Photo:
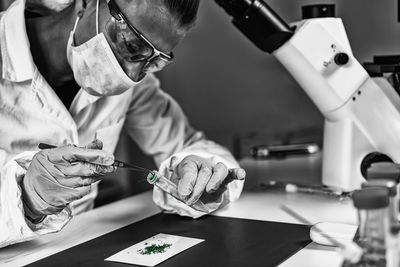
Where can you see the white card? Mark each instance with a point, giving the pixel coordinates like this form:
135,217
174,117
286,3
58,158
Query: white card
154,250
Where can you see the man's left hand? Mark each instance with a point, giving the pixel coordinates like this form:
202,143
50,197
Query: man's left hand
196,176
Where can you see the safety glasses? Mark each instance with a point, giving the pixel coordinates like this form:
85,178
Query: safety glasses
134,46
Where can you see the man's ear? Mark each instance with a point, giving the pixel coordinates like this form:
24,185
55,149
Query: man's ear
81,6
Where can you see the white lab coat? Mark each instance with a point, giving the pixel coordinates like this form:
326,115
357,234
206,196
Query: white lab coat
31,112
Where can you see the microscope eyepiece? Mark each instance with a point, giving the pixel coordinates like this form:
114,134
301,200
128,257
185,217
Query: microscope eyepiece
235,8
258,22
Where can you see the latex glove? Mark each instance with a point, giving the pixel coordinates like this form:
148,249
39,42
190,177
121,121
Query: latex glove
197,178
61,175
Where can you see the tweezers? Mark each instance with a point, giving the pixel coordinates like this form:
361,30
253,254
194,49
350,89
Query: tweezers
117,163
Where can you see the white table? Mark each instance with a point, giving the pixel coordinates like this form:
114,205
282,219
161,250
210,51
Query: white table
256,205
252,205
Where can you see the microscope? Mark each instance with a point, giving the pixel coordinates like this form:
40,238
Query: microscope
362,114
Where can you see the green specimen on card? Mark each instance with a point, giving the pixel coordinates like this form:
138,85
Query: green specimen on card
154,249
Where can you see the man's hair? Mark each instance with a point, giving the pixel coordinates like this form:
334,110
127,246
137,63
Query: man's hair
184,10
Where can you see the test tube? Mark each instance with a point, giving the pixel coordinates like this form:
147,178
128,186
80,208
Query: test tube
155,178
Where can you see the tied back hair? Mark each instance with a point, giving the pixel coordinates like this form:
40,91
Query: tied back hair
184,10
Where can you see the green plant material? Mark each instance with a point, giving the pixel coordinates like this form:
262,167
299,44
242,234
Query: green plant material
154,249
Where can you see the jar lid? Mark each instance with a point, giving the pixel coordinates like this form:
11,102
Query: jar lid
371,198
382,183
384,170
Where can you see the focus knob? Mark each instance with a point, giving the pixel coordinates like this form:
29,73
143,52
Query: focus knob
341,59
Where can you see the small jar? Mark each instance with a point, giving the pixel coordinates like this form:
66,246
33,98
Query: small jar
393,197
374,224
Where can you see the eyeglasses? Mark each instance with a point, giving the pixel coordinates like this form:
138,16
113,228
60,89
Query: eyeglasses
134,46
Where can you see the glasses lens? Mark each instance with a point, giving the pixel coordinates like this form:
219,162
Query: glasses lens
127,43
155,64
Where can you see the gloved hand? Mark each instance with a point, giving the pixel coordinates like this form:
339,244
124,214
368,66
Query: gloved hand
197,178
61,175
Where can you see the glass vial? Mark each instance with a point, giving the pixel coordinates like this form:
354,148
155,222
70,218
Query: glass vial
155,178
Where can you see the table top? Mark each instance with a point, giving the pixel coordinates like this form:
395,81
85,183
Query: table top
253,204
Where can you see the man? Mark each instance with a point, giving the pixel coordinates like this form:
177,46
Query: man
83,73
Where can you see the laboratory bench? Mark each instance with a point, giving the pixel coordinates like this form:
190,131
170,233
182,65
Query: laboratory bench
254,204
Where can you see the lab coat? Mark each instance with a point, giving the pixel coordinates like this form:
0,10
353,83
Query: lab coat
31,112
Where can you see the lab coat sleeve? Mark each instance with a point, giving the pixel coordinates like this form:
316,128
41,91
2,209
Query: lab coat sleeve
14,227
158,125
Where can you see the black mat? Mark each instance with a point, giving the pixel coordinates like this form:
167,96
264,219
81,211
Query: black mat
228,242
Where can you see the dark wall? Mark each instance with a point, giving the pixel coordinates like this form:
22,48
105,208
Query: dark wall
226,85
4,4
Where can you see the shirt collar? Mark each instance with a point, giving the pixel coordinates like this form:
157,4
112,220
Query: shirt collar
17,61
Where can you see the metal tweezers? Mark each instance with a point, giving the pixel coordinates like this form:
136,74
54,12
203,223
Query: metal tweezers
117,163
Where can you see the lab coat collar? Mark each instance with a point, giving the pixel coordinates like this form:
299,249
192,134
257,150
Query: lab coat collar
82,100
17,61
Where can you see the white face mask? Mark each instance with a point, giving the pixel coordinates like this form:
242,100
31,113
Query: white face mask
95,67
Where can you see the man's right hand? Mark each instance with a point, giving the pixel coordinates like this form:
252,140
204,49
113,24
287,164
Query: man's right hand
58,176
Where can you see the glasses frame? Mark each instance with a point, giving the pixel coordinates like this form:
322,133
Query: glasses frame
119,16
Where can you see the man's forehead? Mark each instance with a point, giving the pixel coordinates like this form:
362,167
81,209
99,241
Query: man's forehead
154,20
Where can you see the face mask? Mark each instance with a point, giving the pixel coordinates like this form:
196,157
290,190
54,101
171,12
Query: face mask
95,67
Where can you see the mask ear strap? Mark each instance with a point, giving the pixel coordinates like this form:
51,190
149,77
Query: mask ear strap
76,24
97,16
80,14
